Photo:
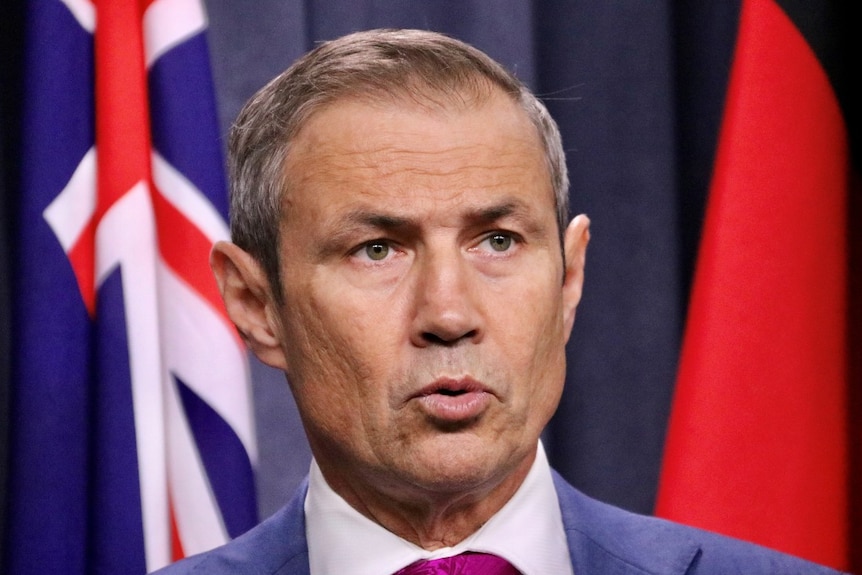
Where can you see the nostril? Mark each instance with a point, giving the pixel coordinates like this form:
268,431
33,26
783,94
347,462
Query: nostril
437,339
432,338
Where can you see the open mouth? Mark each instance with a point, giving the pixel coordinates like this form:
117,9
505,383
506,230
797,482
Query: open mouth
451,392
453,387
454,401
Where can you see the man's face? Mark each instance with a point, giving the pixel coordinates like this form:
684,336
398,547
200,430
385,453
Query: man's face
423,329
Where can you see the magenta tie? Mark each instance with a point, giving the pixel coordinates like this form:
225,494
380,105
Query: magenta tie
464,564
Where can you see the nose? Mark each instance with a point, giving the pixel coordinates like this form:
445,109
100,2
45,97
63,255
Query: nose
446,306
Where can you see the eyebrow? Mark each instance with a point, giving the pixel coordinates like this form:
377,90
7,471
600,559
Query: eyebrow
491,214
362,219
368,219
478,216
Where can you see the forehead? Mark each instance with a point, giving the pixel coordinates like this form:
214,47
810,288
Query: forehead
405,149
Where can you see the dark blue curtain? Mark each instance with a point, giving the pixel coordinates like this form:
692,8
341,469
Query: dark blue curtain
11,18
637,88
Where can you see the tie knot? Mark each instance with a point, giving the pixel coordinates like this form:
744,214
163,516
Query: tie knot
463,564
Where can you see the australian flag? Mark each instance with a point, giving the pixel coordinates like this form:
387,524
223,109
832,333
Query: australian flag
131,435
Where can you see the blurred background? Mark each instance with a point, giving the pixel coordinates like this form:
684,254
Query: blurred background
638,89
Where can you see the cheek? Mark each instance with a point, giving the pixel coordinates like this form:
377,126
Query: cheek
536,341
532,320
318,359
334,361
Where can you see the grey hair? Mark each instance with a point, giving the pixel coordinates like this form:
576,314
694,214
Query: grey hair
419,65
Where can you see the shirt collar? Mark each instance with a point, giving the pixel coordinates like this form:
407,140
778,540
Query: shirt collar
342,540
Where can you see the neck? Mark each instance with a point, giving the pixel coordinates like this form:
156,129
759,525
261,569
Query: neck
431,518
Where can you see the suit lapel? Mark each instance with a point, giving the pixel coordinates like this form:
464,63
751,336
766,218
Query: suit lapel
296,565
282,543
609,541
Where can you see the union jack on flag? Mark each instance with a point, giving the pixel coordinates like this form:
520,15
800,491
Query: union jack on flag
132,437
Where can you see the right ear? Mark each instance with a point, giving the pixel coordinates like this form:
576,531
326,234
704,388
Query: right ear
248,301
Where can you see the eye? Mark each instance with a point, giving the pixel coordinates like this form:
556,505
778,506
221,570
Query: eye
376,250
499,242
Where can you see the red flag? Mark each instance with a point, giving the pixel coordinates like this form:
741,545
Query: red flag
757,446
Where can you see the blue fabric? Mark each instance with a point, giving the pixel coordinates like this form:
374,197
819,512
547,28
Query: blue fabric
52,347
603,540
74,499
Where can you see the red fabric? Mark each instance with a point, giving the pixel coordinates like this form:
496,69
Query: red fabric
182,246
757,443
122,110
122,124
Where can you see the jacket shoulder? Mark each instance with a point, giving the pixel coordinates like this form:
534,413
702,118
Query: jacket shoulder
618,541
277,546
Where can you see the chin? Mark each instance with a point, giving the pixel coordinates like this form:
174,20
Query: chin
463,465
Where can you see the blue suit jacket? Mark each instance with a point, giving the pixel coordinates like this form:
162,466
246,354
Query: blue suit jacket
603,540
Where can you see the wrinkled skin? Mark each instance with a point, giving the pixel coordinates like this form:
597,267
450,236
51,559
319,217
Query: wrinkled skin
426,306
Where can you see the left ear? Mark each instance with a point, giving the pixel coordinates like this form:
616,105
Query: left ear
575,245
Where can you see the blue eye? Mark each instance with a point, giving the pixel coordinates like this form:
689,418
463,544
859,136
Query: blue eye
500,242
377,251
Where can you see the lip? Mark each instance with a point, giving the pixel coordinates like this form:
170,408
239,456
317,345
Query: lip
454,400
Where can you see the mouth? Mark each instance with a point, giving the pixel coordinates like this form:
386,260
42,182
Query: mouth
454,400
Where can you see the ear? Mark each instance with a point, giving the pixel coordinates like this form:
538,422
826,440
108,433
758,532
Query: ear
248,300
575,245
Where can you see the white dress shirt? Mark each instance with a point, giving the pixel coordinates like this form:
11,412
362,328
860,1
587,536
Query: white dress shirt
528,532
